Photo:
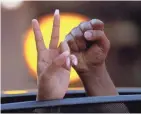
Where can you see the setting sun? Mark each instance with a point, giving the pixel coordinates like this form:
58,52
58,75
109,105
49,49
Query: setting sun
68,22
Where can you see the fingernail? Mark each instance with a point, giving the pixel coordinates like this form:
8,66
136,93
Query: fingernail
93,21
75,62
34,20
68,62
88,35
56,12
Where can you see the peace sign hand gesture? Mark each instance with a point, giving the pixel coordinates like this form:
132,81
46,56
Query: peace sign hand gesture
53,64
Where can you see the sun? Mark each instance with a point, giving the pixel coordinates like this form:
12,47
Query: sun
67,23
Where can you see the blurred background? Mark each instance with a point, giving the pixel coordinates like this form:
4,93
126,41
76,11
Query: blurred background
18,52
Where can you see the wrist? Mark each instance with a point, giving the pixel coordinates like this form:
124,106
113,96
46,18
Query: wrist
47,92
93,72
97,81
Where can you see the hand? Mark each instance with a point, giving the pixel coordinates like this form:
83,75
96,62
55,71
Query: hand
53,64
90,45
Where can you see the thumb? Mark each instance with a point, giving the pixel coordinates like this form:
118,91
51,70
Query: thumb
98,35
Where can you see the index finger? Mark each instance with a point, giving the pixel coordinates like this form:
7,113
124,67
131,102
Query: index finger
38,36
55,30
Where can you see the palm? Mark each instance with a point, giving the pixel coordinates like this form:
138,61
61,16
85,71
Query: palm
58,78
46,58
52,67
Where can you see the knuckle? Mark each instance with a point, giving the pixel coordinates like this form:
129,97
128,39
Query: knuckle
73,31
81,25
55,37
39,39
36,29
93,21
76,32
86,26
56,25
99,21
98,24
69,37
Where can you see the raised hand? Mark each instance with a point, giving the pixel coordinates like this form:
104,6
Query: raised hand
53,64
90,45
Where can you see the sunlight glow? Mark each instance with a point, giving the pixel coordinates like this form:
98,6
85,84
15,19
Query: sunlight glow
68,22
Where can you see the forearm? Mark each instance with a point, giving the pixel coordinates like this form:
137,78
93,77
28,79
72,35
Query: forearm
97,82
